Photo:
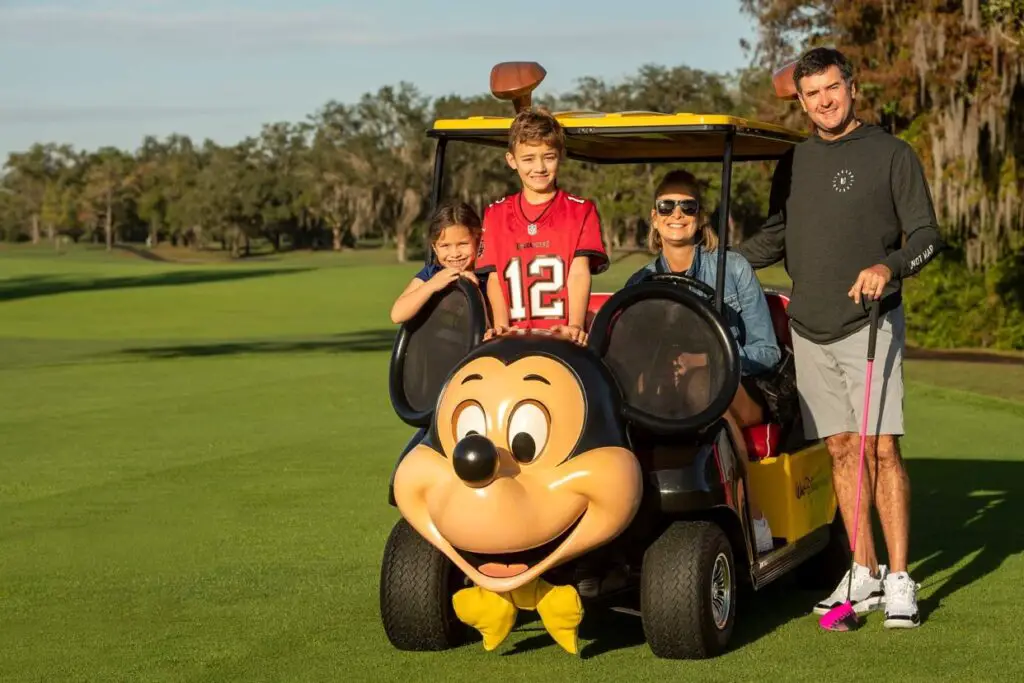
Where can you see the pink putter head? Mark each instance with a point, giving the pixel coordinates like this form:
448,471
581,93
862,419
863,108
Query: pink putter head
840,618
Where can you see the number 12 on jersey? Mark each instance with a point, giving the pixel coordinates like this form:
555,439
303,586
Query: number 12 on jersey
547,276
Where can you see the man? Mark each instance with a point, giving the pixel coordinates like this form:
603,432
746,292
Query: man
840,203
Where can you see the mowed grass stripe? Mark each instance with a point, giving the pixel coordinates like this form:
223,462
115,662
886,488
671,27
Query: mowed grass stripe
129,418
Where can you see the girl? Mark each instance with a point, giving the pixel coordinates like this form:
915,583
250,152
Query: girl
686,244
454,238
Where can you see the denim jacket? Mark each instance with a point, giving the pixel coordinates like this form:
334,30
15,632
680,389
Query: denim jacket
746,308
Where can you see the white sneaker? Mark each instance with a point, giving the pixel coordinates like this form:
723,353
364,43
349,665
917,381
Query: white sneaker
763,536
866,594
901,601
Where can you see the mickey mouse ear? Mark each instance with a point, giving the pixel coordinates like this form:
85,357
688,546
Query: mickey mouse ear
671,353
429,346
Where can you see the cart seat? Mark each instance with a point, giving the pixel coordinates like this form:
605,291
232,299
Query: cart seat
597,300
763,440
778,303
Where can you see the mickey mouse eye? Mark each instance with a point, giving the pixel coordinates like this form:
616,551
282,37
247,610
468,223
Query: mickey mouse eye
469,419
527,431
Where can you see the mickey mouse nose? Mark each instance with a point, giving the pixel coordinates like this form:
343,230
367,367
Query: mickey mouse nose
475,459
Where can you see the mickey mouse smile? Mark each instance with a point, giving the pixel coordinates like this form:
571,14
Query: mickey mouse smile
513,563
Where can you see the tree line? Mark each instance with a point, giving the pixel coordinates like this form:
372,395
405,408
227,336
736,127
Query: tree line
348,173
946,76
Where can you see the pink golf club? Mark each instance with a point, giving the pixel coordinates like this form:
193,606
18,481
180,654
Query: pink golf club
843,617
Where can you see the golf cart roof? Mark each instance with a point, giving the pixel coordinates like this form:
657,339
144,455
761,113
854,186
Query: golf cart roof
632,137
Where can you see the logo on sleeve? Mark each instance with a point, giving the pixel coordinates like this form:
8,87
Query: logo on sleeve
842,181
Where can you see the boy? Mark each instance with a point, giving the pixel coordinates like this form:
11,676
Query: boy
542,243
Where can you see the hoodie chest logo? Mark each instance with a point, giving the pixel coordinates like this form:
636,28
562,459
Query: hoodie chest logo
842,181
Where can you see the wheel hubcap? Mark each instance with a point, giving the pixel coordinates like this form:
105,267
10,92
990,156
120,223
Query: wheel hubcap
721,591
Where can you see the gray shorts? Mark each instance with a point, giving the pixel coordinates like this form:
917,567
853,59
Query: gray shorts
830,380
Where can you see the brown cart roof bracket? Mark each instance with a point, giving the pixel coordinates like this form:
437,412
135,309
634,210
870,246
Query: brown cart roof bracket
782,81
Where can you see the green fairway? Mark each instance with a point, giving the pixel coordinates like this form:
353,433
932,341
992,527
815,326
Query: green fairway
194,463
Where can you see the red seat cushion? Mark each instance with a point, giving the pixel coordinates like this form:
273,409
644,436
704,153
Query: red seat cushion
762,441
777,305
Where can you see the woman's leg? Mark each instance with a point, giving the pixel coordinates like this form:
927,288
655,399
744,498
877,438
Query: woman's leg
745,409
745,412
738,417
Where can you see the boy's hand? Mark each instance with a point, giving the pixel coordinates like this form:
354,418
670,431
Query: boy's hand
443,278
573,333
471,276
496,331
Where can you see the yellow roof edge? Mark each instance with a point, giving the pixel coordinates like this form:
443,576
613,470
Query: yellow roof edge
589,120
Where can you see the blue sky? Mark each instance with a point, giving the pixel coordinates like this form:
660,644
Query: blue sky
96,72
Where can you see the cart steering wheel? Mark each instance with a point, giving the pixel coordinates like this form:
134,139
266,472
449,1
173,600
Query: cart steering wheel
684,280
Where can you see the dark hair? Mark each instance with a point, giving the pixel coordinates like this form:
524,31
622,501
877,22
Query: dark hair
680,179
819,59
453,213
536,126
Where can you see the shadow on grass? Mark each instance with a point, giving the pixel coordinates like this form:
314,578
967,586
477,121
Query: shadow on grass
349,342
144,254
961,510
31,286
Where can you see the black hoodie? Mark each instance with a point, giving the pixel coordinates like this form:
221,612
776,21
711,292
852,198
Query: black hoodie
838,207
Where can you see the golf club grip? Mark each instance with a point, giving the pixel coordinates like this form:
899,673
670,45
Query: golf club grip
873,329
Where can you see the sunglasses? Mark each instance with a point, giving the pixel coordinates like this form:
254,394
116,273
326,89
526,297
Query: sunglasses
666,207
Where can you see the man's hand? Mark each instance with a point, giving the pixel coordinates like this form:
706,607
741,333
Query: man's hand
573,333
870,282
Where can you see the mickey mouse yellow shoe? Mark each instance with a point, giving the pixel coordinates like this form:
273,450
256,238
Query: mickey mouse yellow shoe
494,614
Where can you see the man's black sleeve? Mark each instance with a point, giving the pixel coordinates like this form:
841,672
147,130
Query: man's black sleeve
768,246
916,213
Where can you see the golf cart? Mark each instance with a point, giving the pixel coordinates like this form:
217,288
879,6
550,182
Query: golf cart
541,463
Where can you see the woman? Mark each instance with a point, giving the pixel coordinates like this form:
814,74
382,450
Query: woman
686,244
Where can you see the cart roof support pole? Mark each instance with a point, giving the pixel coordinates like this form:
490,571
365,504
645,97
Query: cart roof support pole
723,223
436,186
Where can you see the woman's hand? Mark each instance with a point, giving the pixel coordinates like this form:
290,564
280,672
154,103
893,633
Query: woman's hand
688,361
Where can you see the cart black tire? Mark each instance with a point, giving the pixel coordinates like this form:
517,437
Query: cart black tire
678,574
824,570
417,582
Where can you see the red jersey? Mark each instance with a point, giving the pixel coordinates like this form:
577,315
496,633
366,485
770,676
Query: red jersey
530,248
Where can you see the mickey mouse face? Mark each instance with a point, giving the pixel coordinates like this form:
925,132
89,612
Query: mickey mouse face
509,494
